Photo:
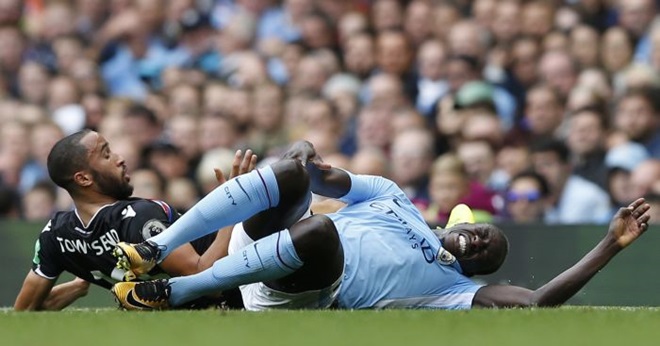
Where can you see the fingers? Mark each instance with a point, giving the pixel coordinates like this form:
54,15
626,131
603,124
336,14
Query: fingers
236,164
246,162
637,203
640,210
219,176
322,165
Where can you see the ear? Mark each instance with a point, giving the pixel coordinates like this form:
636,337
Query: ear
83,179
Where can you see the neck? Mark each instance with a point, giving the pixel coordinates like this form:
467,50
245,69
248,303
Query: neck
87,206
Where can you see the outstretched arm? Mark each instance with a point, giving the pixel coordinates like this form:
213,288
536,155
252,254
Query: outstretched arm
38,293
65,294
34,292
626,226
325,180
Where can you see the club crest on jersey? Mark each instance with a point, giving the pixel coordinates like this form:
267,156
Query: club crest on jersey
151,228
445,257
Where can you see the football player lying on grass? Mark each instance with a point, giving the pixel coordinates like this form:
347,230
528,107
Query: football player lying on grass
377,252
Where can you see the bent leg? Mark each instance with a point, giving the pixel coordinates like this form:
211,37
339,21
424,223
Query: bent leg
241,198
295,197
273,259
317,243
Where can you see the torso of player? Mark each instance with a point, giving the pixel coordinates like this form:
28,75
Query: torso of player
391,259
67,244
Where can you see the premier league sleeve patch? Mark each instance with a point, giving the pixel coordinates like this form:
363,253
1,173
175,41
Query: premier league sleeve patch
445,257
151,228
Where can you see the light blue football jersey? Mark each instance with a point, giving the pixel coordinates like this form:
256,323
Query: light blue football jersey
391,254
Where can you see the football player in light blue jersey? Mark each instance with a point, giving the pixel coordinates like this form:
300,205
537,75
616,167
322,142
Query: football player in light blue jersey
377,252
392,258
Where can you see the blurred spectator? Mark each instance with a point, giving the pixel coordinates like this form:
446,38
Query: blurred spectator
220,158
537,18
268,131
411,158
386,15
559,70
585,46
478,157
544,112
526,198
370,161
621,161
586,134
167,159
636,116
644,176
616,50
181,194
572,199
359,54
283,22
512,159
431,82
147,183
174,80
417,21
33,81
9,202
449,186
42,138
38,204
141,125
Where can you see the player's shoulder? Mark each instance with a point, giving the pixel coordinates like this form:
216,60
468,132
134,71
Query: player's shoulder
153,207
60,220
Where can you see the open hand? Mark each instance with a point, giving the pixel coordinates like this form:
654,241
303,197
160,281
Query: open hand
242,164
630,222
305,152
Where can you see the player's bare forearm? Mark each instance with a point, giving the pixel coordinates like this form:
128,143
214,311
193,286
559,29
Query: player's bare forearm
333,182
555,292
34,292
568,283
184,260
217,250
627,225
65,294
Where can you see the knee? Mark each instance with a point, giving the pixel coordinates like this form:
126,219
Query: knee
291,176
315,237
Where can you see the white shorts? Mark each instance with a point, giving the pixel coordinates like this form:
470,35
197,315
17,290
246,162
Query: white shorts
257,296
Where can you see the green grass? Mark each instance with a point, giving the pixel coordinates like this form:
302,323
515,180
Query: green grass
558,327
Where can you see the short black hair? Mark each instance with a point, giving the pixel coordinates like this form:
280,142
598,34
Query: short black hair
9,200
646,93
544,188
551,145
66,158
47,187
140,111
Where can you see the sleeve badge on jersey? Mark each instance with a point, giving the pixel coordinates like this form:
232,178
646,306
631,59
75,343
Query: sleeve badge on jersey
445,257
166,209
151,228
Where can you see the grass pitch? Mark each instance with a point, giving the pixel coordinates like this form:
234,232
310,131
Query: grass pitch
565,326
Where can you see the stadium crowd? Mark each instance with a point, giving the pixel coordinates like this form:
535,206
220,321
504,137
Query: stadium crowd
525,110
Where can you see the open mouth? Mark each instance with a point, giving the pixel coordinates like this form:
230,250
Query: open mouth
462,244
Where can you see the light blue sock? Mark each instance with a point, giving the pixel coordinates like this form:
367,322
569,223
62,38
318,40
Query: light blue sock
267,259
232,202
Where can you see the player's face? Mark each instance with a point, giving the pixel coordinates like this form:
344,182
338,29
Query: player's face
108,170
479,248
